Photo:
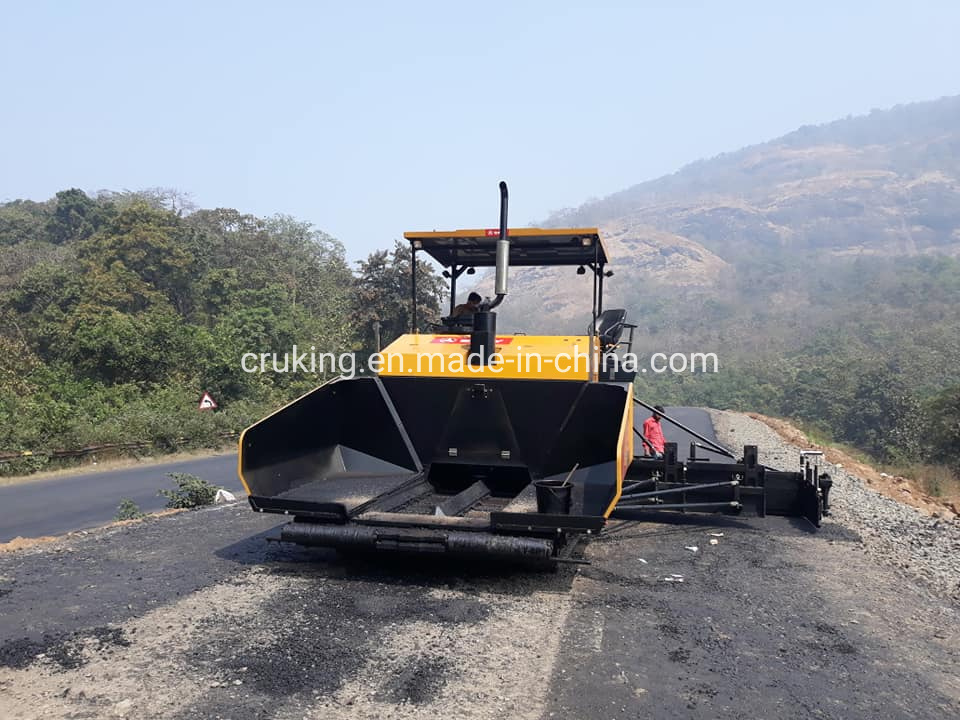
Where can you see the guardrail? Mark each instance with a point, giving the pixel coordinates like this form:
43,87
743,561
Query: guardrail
89,450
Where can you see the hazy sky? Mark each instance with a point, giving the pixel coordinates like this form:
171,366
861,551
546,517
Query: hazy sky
368,119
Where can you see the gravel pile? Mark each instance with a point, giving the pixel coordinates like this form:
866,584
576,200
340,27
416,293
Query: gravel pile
923,545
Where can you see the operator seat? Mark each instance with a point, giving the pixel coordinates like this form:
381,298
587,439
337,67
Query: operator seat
609,328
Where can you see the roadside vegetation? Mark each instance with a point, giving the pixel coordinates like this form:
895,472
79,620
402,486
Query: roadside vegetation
869,406
128,510
118,311
191,492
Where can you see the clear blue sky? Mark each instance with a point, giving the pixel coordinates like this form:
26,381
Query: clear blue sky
368,119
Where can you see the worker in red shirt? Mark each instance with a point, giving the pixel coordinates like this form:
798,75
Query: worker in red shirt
653,433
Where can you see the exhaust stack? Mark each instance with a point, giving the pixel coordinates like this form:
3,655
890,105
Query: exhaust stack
503,250
483,339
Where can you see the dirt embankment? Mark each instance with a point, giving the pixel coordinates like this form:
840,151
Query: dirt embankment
899,488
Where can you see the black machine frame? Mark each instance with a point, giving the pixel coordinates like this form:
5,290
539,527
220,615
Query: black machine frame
463,251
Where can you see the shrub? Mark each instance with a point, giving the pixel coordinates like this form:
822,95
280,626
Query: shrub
128,510
191,491
26,465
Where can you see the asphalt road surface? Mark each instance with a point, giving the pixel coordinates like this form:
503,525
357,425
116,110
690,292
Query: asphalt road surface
58,505
696,419
76,502
195,615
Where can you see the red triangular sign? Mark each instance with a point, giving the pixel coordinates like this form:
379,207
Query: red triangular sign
207,402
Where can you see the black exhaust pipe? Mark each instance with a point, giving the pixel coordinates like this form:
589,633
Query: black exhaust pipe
503,251
483,338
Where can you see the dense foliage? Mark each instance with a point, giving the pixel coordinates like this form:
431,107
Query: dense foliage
866,354
118,311
384,290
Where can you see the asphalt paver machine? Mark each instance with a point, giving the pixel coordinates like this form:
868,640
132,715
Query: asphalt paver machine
474,443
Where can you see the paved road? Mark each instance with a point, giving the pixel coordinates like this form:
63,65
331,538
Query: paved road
196,616
75,502
85,500
697,419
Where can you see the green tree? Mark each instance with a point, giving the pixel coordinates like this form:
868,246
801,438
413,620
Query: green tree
884,419
383,293
40,303
75,217
944,414
111,346
148,244
23,221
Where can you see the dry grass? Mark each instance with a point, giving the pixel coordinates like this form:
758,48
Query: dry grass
21,543
936,480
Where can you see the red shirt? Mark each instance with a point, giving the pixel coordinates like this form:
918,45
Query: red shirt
654,433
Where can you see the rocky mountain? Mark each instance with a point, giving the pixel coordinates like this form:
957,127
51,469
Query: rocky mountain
882,186
886,183
637,251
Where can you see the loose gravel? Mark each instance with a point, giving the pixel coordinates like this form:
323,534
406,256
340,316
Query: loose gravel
925,546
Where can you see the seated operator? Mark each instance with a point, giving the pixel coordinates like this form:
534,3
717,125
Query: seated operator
468,308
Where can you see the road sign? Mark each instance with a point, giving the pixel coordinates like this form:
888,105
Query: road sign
207,402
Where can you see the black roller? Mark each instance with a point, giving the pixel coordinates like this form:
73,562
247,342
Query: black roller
413,540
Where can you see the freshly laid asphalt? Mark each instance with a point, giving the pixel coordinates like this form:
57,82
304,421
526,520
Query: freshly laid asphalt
195,615
696,419
89,499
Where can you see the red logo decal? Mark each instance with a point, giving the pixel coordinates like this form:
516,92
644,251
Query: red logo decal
465,340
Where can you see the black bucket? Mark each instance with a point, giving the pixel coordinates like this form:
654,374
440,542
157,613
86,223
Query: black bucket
553,496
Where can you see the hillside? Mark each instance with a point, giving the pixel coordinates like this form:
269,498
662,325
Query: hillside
883,184
886,185
820,266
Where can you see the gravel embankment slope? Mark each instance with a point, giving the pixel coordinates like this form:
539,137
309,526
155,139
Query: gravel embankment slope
892,532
